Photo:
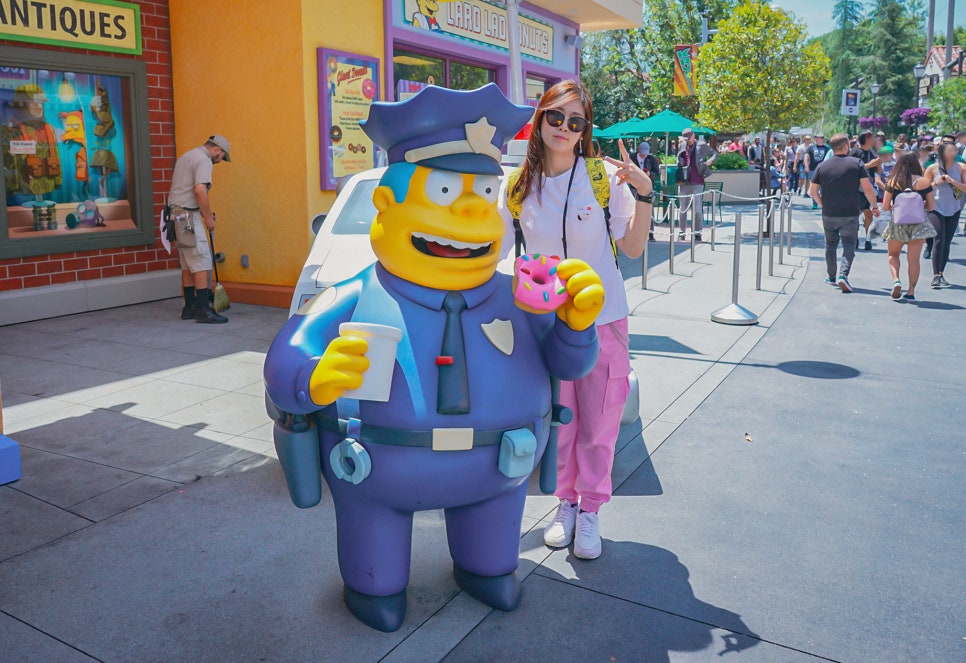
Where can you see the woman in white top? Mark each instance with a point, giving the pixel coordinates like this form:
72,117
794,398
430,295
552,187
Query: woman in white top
560,215
948,178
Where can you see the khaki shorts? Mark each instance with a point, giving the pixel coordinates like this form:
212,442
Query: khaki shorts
196,258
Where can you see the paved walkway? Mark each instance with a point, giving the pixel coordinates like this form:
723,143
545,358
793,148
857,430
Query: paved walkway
792,490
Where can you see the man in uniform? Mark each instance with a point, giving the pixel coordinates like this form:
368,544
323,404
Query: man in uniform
188,199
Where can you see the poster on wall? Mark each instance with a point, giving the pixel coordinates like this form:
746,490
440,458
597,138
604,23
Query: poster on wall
684,78
348,84
65,145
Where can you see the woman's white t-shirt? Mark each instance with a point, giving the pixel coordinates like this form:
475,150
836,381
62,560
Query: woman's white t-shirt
541,220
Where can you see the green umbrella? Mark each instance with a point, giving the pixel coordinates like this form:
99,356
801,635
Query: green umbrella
623,129
669,123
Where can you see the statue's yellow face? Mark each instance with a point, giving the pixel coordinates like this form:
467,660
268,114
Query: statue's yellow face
428,7
446,234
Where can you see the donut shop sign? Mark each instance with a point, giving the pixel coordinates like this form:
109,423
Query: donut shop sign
482,22
99,25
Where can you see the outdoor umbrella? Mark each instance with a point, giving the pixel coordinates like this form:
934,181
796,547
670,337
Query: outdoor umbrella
669,123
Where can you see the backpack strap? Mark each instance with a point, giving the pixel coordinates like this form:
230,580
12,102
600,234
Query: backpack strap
514,205
601,186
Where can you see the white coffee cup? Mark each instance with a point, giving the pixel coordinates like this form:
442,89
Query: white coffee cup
383,340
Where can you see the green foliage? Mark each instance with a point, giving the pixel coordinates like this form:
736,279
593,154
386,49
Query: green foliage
759,72
882,47
947,106
629,72
730,161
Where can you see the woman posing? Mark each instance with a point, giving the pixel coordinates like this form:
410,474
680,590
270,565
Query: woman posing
948,178
907,174
559,215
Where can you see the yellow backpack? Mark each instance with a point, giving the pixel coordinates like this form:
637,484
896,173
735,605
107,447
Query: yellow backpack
598,182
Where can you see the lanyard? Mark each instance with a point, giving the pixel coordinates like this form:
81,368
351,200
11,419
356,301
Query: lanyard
570,183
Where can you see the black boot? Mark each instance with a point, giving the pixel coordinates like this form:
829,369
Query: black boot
500,592
203,311
383,613
188,312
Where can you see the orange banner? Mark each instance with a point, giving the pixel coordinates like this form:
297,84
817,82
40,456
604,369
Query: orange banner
684,79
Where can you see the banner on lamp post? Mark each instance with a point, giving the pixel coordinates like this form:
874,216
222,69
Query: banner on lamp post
850,102
684,78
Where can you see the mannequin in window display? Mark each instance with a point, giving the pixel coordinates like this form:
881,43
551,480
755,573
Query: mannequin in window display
38,171
103,159
74,140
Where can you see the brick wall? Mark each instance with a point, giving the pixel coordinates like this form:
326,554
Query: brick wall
36,271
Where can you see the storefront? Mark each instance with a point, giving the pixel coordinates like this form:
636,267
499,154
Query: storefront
99,97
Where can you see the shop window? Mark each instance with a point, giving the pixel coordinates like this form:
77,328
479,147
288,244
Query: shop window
535,87
76,153
414,71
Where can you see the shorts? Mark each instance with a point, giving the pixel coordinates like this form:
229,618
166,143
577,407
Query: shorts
196,258
863,203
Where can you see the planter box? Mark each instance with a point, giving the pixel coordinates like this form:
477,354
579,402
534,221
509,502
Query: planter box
742,183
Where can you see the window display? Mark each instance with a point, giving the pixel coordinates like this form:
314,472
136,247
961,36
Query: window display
68,145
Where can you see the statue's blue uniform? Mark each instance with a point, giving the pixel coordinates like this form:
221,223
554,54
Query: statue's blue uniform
483,507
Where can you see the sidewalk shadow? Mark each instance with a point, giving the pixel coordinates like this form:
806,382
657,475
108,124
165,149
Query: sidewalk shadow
938,306
663,614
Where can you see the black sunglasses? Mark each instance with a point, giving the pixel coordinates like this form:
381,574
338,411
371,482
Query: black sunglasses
575,123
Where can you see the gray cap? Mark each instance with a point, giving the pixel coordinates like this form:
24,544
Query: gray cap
223,143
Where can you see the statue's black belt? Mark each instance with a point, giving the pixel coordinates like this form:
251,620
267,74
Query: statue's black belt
375,434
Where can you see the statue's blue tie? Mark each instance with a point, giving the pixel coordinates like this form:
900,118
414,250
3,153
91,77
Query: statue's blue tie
453,389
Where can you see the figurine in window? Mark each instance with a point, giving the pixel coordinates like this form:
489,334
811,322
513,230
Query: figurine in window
103,160
36,159
75,141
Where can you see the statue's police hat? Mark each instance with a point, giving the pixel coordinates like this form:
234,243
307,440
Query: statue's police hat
456,130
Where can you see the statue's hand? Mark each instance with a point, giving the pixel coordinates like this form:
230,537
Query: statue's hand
586,294
340,369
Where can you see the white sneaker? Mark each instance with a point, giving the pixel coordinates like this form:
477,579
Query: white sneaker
587,541
560,532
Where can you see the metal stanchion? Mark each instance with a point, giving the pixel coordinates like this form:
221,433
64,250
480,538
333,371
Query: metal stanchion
761,237
771,236
670,237
644,254
788,248
694,223
781,227
714,209
734,313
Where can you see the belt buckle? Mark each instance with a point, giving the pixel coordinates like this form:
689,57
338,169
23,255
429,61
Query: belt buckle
452,439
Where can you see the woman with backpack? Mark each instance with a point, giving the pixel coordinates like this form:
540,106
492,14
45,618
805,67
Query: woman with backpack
909,196
557,205
948,178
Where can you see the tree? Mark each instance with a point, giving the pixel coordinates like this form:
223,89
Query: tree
630,72
947,106
760,72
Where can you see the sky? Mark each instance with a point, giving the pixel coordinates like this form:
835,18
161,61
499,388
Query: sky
817,14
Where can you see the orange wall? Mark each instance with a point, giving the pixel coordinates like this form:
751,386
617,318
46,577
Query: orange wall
248,70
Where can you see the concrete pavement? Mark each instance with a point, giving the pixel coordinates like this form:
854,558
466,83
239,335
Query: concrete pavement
792,490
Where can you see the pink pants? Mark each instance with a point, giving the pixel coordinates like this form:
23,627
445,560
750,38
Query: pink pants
586,445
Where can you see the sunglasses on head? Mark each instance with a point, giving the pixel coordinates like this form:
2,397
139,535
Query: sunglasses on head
575,123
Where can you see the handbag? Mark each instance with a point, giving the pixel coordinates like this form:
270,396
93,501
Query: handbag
908,209
682,174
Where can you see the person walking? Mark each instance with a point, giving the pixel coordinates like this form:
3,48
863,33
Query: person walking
559,215
907,176
694,165
834,183
803,179
948,178
646,161
188,199
814,155
867,154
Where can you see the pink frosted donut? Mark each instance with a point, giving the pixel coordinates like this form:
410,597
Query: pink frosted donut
536,286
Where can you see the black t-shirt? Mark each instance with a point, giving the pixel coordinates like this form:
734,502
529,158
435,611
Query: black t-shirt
865,156
816,155
840,177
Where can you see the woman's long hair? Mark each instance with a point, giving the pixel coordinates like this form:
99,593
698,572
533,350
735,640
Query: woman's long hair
533,168
907,171
941,155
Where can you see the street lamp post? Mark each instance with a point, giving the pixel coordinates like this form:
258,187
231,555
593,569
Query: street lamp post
874,89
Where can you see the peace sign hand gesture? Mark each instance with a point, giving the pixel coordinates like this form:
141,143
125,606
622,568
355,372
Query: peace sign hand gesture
629,173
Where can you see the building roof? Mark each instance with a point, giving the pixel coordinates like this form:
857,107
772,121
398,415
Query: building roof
936,59
597,14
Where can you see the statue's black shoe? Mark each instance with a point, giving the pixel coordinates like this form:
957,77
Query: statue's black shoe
500,592
383,613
